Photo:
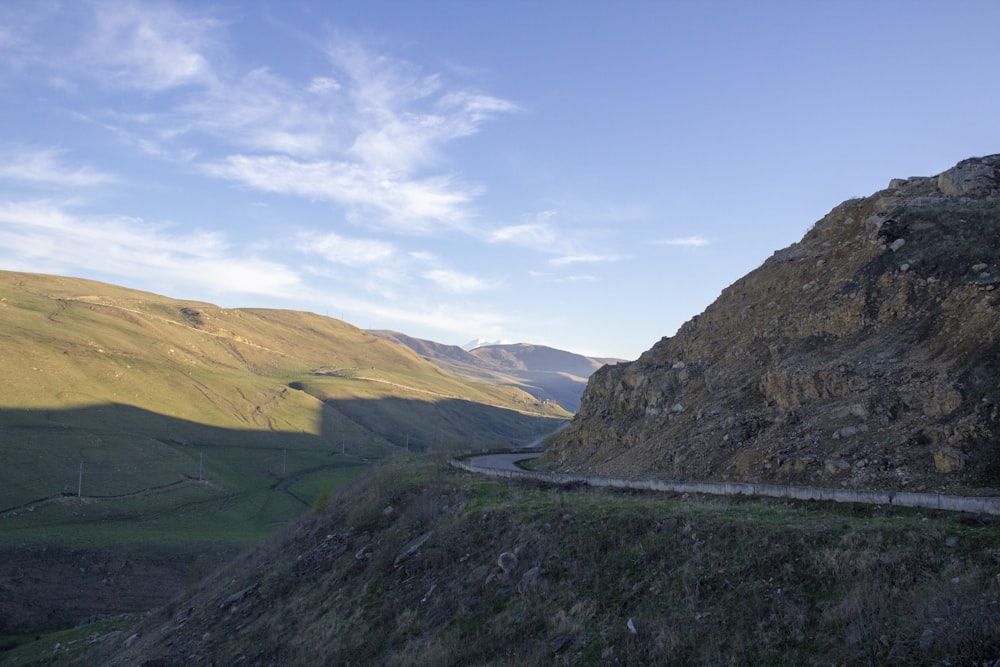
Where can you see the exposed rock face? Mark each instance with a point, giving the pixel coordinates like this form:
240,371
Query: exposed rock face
867,354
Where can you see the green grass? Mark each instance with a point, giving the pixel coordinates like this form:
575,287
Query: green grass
146,391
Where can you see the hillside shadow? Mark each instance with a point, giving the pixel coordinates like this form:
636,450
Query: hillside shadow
112,508
118,449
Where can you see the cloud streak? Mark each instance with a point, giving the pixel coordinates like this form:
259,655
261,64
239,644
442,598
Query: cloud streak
588,258
45,167
455,282
42,235
374,199
686,241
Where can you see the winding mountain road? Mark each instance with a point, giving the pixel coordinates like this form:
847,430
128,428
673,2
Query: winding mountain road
503,461
504,465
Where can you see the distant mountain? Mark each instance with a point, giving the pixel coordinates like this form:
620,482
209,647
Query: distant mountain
481,342
539,358
865,355
546,373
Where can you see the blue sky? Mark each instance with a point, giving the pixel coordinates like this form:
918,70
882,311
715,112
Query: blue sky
585,175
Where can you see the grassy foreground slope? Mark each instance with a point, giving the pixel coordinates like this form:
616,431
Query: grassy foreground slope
132,421
416,563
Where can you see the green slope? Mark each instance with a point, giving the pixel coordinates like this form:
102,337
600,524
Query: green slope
132,418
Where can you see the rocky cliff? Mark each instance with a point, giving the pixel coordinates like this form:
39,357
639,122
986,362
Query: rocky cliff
865,355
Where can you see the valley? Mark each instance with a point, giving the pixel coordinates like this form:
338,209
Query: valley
285,479
170,435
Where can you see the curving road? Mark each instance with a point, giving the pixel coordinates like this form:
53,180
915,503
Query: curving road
505,465
503,461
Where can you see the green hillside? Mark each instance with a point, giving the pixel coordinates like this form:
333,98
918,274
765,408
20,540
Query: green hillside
128,418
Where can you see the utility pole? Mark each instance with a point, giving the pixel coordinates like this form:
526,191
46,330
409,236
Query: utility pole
79,484
201,464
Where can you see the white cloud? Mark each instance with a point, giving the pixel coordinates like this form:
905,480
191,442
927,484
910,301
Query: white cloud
149,47
688,241
265,112
44,236
323,84
455,282
382,199
369,134
588,258
44,167
532,235
349,252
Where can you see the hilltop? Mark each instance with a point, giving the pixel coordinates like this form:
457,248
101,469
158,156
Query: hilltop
864,355
544,372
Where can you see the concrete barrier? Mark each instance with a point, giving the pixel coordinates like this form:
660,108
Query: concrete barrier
975,504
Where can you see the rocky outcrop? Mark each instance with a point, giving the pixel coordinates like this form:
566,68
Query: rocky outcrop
865,355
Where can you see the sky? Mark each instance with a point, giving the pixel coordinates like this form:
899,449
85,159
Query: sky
579,174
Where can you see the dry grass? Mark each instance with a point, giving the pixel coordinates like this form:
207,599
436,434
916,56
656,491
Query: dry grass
703,581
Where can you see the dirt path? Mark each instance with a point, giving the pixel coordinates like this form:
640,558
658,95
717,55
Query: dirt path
72,497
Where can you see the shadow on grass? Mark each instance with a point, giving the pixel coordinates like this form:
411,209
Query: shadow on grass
105,509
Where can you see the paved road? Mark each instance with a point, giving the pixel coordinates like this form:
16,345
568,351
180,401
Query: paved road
503,461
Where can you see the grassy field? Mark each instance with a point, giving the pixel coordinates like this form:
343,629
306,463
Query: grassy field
112,394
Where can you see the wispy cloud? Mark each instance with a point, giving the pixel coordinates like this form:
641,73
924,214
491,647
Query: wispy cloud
585,259
402,115
532,235
365,138
380,268
45,236
45,167
150,47
369,135
455,282
541,232
687,241
376,199
341,250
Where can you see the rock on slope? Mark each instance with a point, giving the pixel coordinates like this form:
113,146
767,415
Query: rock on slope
865,355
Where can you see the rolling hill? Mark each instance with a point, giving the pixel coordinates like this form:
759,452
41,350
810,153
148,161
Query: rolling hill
129,419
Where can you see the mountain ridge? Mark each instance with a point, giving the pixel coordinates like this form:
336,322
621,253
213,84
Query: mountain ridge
547,373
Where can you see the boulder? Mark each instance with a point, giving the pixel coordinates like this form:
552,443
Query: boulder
948,460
